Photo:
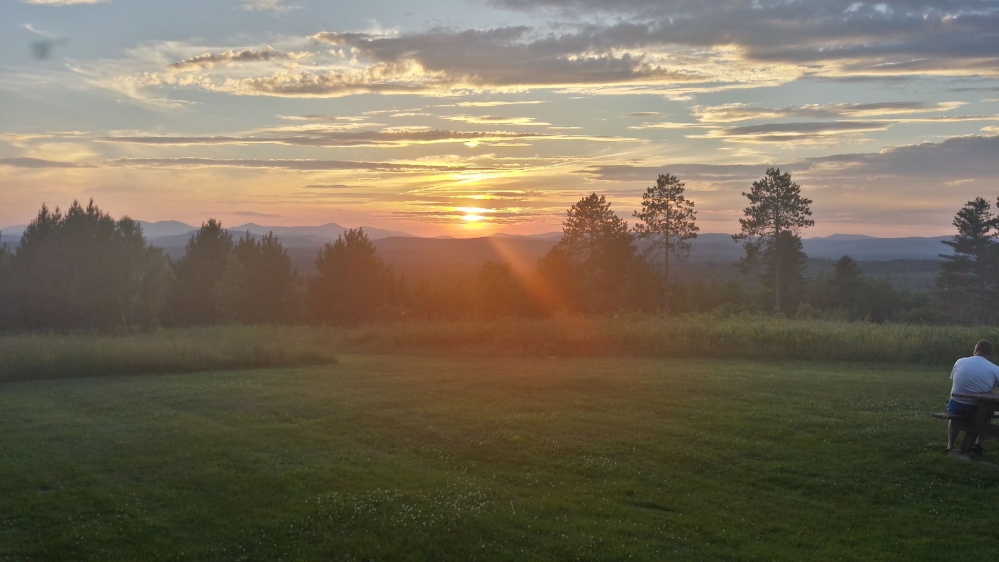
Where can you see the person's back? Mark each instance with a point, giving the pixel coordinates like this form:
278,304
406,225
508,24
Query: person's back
970,375
973,374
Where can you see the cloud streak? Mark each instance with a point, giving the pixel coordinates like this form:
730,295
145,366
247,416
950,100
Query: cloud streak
320,136
209,60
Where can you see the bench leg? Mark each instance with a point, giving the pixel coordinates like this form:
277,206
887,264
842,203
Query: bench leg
969,440
981,415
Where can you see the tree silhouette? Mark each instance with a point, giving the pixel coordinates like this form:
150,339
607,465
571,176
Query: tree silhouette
776,210
84,270
667,222
353,282
7,287
194,300
967,279
259,284
598,247
784,263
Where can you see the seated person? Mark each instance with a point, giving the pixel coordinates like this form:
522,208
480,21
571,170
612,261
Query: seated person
971,374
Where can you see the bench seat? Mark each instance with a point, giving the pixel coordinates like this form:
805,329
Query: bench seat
949,416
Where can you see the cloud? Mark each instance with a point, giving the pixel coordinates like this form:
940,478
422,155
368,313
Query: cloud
314,117
295,165
494,120
266,6
40,163
63,2
208,60
495,103
734,112
669,125
518,56
832,37
970,156
675,49
322,136
255,214
785,132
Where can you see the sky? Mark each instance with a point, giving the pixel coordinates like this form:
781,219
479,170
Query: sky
472,117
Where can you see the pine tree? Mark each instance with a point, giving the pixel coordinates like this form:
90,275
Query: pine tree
967,280
84,270
259,285
194,299
775,207
599,247
353,283
667,222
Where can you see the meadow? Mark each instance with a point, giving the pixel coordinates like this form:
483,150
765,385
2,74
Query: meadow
626,437
43,356
477,457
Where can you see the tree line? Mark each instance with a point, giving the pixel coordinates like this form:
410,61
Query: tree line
83,270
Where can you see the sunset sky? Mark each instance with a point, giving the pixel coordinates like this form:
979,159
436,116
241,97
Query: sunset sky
466,118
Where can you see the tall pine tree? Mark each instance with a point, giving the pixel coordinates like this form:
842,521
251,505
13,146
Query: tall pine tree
771,230
667,223
195,299
967,281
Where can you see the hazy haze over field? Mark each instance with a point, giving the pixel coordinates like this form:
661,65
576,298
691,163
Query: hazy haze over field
466,118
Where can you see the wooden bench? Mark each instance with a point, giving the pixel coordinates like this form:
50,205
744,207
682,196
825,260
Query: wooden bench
973,426
963,423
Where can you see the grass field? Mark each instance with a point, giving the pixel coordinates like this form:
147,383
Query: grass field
476,457
44,356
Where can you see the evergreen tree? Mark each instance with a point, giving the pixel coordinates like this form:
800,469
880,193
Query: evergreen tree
784,263
84,270
259,285
841,289
775,207
967,280
194,299
599,249
667,222
353,284
6,288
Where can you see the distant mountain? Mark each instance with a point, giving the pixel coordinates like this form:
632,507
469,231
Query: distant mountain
165,228
706,248
15,231
873,249
843,237
543,236
329,231
175,245
713,247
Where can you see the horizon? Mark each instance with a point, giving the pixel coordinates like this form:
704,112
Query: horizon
476,117
471,235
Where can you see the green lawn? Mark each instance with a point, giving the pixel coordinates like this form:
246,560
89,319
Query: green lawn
464,458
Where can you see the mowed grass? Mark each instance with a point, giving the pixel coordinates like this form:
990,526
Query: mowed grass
486,458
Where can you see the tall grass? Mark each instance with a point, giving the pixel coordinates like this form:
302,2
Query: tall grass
43,356
756,337
242,347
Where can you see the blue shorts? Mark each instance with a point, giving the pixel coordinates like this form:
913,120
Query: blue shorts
961,409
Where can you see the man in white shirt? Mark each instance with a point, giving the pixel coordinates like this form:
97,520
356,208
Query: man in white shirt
971,374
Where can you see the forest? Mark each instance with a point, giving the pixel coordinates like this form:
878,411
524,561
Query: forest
82,270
